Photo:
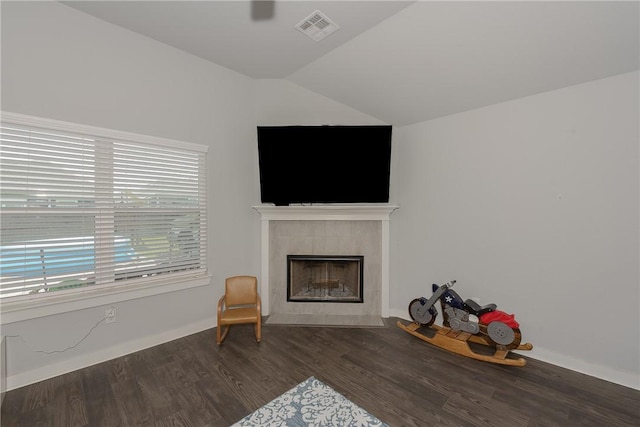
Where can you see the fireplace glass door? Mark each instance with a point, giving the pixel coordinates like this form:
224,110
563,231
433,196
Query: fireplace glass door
313,278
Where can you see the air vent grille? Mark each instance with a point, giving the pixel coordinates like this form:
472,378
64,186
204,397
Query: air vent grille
317,26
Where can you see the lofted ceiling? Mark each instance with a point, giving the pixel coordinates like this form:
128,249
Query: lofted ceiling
401,62
230,33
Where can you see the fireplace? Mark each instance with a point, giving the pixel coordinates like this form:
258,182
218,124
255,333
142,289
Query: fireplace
325,229
320,278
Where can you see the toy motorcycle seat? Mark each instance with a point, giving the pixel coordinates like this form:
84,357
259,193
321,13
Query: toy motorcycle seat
474,308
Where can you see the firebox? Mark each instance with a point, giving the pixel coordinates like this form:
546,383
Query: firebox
322,278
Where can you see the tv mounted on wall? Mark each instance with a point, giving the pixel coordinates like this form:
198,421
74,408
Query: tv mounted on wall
324,164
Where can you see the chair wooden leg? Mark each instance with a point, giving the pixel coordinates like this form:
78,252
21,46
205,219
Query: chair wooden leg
222,334
258,330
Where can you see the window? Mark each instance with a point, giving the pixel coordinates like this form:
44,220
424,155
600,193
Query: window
89,207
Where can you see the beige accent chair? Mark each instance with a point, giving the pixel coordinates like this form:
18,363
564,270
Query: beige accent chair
239,304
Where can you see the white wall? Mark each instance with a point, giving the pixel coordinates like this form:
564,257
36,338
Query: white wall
531,204
280,102
62,64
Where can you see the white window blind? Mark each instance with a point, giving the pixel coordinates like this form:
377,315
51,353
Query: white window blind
81,209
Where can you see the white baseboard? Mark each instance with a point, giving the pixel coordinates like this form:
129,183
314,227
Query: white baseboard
627,379
606,373
3,368
85,360
25,378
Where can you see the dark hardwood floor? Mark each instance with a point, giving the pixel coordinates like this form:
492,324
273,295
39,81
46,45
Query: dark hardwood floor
395,376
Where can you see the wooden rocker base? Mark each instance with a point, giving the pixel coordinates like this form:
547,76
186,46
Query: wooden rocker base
458,342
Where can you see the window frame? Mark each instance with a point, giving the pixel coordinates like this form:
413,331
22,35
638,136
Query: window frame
27,307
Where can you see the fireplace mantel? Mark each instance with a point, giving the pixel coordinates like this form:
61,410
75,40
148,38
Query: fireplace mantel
325,213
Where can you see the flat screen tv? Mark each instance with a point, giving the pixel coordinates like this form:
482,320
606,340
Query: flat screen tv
324,164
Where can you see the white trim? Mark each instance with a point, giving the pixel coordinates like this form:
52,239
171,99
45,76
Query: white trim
384,269
264,284
627,379
607,373
85,360
3,369
326,213
23,119
16,309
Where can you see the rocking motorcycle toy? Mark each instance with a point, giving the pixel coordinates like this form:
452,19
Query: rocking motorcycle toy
466,322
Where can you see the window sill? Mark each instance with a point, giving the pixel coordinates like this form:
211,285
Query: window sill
93,296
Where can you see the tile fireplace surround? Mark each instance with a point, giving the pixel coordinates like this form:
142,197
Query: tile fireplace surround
325,230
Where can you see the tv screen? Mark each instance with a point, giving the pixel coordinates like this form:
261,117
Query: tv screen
324,164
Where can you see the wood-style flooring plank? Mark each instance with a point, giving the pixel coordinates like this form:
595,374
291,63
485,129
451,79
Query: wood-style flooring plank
193,382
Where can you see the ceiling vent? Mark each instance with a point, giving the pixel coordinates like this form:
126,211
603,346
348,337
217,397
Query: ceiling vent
317,26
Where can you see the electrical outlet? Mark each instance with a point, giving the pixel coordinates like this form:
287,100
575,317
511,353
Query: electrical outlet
110,314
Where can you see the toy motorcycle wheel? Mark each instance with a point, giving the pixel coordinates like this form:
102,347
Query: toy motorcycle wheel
421,314
500,334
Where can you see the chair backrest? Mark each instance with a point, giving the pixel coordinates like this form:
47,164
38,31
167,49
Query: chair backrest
241,290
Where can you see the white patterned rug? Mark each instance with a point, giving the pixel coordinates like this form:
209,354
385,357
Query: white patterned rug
310,403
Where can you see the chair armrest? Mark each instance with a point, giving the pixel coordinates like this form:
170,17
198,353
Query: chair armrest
259,304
